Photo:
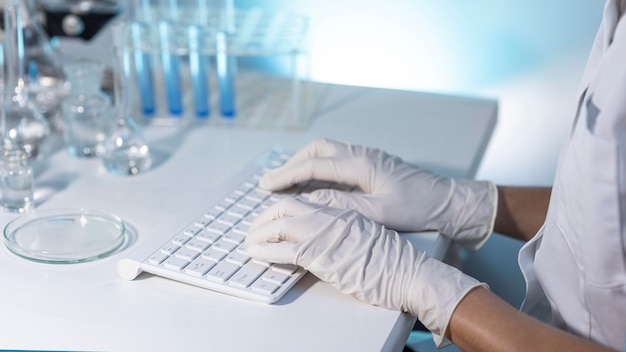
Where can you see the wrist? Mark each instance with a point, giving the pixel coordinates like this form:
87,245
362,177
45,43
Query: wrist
435,292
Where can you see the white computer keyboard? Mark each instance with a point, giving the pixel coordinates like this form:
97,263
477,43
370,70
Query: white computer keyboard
209,251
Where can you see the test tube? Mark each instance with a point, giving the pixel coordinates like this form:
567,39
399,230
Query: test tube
225,75
225,59
170,61
143,69
199,64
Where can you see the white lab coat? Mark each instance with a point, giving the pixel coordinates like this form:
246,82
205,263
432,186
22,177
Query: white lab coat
575,267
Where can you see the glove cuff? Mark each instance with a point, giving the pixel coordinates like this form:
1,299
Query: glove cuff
440,339
472,212
434,294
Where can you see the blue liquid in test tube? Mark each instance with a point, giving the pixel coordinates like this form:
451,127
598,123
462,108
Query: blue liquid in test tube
143,70
171,71
199,67
225,76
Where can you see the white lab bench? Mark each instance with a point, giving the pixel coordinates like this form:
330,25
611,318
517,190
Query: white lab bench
88,306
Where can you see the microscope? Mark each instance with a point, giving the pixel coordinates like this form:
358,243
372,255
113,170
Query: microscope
75,18
45,21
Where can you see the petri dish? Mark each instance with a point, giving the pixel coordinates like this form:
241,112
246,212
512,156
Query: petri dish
64,236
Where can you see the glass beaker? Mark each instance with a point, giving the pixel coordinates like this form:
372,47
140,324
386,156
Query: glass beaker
86,110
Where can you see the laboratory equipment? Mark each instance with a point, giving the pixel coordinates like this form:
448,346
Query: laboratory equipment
76,18
126,152
87,110
39,53
171,64
43,22
64,236
17,181
144,68
23,125
191,64
225,63
200,69
209,251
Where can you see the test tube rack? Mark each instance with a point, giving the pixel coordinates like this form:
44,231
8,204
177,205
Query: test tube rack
189,70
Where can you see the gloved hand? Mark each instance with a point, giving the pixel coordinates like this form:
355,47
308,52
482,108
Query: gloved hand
394,193
361,258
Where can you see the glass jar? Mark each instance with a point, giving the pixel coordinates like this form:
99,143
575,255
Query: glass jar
17,182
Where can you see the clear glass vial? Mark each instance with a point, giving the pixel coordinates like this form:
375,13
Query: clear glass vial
17,182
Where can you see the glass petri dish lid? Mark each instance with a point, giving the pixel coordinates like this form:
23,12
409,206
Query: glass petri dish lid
64,236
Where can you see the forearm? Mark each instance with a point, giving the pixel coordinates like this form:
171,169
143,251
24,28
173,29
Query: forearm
483,322
521,210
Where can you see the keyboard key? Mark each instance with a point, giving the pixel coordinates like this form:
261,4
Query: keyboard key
157,258
257,195
237,258
247,274
249,219
222,271
237,211
212,213
214,255
199,267
191,230
169,249
187,254
217,228
223,205
234,237
180,240
243,189
262,262
275,277
197,245
264,287
242,249
288,269
251,182
233,197
248,203
208,236
228,219
260,209
202,222
224,246
175,263
241,229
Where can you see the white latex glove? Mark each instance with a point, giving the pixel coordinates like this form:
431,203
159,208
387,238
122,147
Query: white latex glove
394,193
361,258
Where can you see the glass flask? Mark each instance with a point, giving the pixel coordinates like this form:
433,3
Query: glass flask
23,126
86,110
126,151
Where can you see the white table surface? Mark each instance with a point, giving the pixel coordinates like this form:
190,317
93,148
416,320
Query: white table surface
88,306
